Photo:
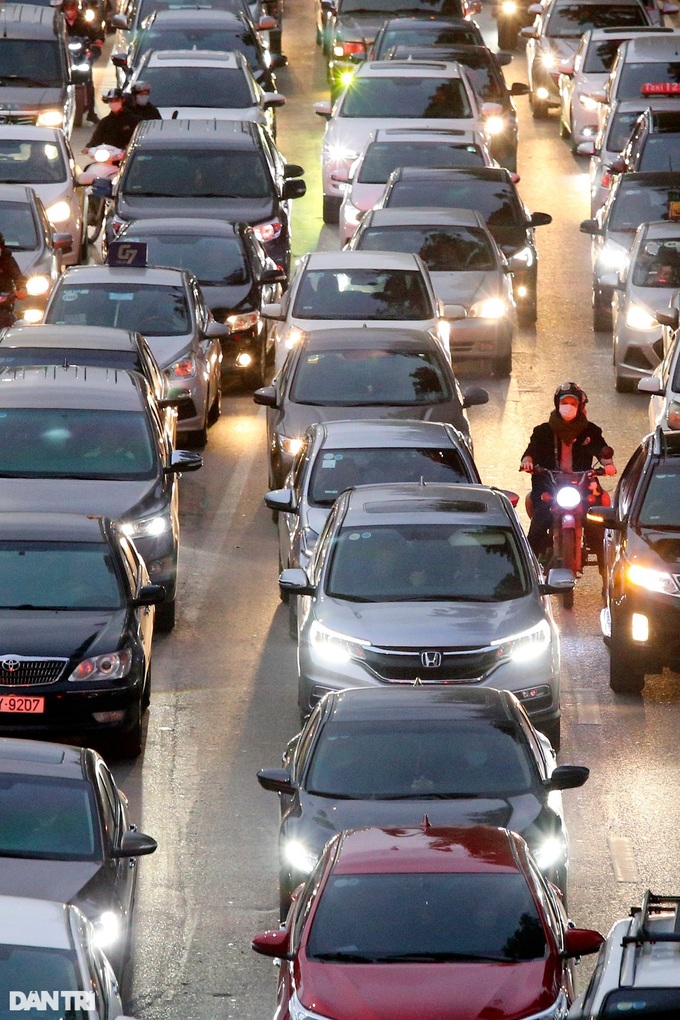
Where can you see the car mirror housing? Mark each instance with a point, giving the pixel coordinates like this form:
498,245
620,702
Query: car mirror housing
294,580
266,395
272,99
184,460
134,844
323,108
559,580
567,777
119,59
475,395
266,23
276,781
293,189
273,311
581,942
282,500
586,149
512,496
293,170
273,943
149,595
503,58
277,275
119,21
668,317
518,88
102,187
529,32
175,401
340,176
216,329
611,280
541,219
454,312
590,227
278,60
62,243
604,516
650,384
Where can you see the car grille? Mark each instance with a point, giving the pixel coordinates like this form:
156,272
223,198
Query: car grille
430,666
17,117
20,671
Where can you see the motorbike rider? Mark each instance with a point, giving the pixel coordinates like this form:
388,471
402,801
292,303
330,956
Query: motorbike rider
118,126
139,102
566,442
12,281
78,27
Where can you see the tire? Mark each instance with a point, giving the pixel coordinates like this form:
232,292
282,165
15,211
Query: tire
215,408
626,676
331,209
602,314
129,744
625,385
553,732
292,619
528,313
256,375
539,107
165,615
569,549
502,366
507,37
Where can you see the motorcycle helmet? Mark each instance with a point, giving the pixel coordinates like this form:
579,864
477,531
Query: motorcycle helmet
112,94
140,86
570,389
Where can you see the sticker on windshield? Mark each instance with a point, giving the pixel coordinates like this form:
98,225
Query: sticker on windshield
674,210
114,296
354,537
71,295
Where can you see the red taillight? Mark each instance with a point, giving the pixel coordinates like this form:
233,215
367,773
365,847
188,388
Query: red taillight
606,180
352,48
545,497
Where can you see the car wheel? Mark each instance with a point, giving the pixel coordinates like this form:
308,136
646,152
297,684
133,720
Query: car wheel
292,618
507,36
553,732
502,366
602,313
129,745
626,674
215,408
527,311
257,374
624,385
331,208
165,615
539,107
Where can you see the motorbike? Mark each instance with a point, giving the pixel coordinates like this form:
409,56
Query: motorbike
105,164
82,54
574,544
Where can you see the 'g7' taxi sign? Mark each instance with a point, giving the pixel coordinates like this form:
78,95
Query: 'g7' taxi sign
129,254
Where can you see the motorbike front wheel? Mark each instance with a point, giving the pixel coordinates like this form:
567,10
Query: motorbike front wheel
95,217
569,561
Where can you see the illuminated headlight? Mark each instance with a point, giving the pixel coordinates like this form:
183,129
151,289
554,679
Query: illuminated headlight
50,118
32,315
81,68
542,93
113,666
494,125
37,285
89,14
568,497
289,445
613,257
147,527
652,580
550,852
490,308
509,7
293,336
246,320
345,78
102,155
59,212
444,332
548,60
299,856
333,649
340,153
107,929
638,317
588,103
527,645
185,368
524,255
299,1012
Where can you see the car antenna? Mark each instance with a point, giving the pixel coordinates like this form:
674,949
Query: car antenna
426,823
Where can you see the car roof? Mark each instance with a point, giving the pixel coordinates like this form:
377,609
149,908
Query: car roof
664,120
599,34
197,17
482,173
29,922
185,225
408,69
434,215
389,433
426,503
51,527
659,229
649,179
422,703
421,135
47,336
651,48
38,757
74,387
17,193
341,260
475,849
371,336
195,58
18,20
221,134
31,133
77,275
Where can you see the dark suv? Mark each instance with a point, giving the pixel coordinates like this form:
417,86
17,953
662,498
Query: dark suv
641,621
654,143
225,170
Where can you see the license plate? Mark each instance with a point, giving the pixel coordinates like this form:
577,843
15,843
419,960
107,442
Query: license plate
14,703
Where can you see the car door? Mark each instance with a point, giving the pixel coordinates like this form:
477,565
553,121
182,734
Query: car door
615,540
211,351
123,870
290,524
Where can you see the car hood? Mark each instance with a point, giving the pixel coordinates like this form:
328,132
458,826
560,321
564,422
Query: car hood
249,210
647,546
560,47
62,881
29,261
227,297
13,97
652,297
359,28
69,633
381,991
298,417
251,113
116,499
49,194
466,288
168,349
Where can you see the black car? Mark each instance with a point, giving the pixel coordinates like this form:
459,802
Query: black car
75,629
641,621
493,193
389,757
653,145
225,170
65,835
236,275
425,31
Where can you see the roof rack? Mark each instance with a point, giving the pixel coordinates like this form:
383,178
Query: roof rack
641,934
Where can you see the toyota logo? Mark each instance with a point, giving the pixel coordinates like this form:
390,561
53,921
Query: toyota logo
431,659
10,665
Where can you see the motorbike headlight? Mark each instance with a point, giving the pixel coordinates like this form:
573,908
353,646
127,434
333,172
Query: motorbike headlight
333,649
107,929
242,321
59,212
652,580
549,852
89,15
509,7
638,317
289,444
37,285
613,257
50,118
82,68
113,666
147,527
300,857
568,497
495,125
548,60
526,645
185,368
490,308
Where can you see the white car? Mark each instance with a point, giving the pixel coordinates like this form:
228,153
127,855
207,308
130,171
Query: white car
206,85
396,94
355,288
393,147
646,65
42,158
663,385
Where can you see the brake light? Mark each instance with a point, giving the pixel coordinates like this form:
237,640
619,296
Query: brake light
348,49
267,231
606,180
117,224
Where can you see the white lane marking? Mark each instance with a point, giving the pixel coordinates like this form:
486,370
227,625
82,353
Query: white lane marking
623,859
587,707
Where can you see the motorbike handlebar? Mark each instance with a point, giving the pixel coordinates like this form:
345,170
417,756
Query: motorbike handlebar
538,470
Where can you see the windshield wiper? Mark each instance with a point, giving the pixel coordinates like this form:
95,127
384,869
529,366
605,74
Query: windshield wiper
151,194
440,957
25,79
430,796
343,957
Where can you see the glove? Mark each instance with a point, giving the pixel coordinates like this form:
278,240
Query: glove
527,464
610,469
21,293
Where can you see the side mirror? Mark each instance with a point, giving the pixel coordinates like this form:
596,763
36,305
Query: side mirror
149,595
605,516
503,59
559,580
277,781
62,243
294,580
651,384
282,500
273,311
184,460
293,170
119,21
102,187
328,6
668,317
567,777
567,67
586,149
120,59
611,280
454,312
184,397
535,9
273,943
323,108
273,276
512,496
134,844
529,32
216,329
340,176
266,23
475,395
591,227
518,88
293,189
581,942
617,167
271,99
266,395
278,61
540,219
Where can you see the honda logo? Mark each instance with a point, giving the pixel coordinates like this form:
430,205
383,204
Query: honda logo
431,659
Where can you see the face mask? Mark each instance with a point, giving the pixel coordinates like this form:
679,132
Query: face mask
568,411
115,106
142,99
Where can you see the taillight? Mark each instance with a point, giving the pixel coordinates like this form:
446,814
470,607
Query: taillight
117,224
348,49
267,231
606,180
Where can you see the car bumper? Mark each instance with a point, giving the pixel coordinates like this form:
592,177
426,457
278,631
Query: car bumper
637,352
480,338
662,613
248,341
72,711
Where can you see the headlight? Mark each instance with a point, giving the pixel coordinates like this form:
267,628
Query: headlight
185,368
299,856
490,308
509,7
652,580
613,257
113,666
524,255
525,646
246,320
333,649
548,60
81,68
150,527
638,317
550,852
444,332
299,1012
588,103
32,315
340,153
568,497
37,285
50,118
494,125
292,337
59,212
289,445
268,231
107,929
89,14
346,78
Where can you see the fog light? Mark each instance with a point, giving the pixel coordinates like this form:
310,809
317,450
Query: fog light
639,627
155,567
32,315
542,93
534,692
243,360
116,716
521,291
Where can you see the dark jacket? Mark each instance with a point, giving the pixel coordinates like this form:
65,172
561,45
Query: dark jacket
147,112
114,129
11,277
82,29
544,449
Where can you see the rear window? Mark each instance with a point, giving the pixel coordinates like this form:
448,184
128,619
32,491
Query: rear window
32,63
572,20
214,87
30,162
47,818
369,377
442,248
215,261
152,309
363,294
635,74
600,56
428,36
661,152
383,157
620,128
451,8
240,39
658,264
18,226
407,96
661,506
198,173
127,360
635,204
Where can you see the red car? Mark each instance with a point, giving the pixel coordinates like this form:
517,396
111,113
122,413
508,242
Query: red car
433,924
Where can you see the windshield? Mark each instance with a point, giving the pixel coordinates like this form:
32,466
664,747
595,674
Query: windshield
427,35
74,443
337,470
386,294
50,575
193,173
12,356
620,128
18,226
215,261
634,75
240,39
570,21
661,152
24,969
661,506
438,563
642,1003
151,309
658,264
32,63
47,818
442,249
366,377
24,162
450,8
383,157
376,759
215,87
600,56
396,918
406,96
147,7
637,203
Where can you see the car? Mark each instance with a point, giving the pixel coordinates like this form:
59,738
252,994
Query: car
637,969
41,158
49,949
36,248
642,564
391,148
646,66
168,308
663,385
407,94
135,12
450,593
458,918
654,143
648,282
360,373
93,441
633,199
491,192
553,40
227,170
395,755
467,268
483,69
202,84
425,31
589,72
66,834
346,288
